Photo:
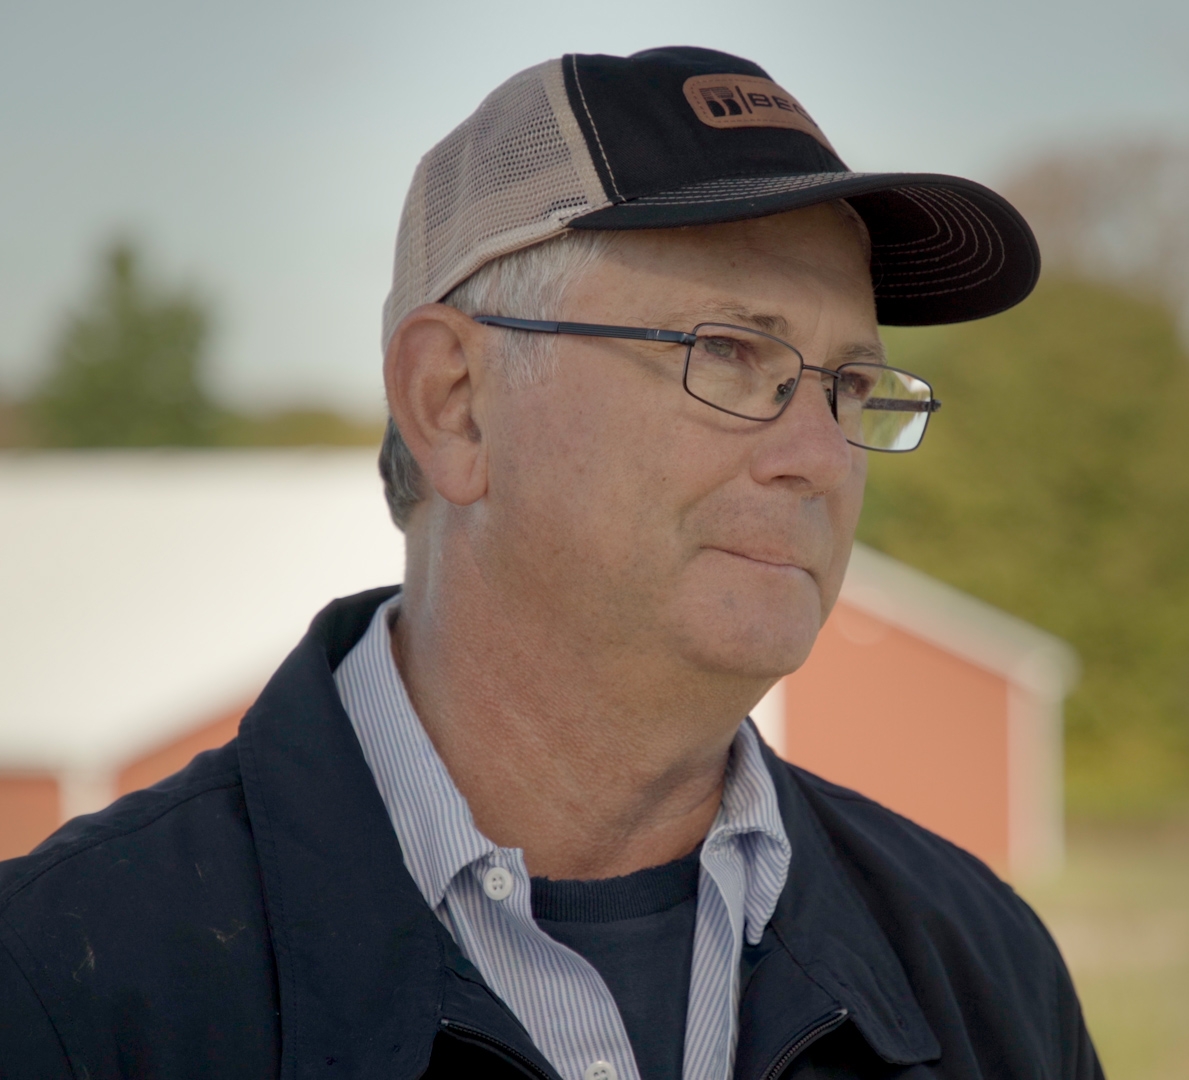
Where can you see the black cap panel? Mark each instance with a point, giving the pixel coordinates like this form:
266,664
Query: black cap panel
696,60
645,137
675,141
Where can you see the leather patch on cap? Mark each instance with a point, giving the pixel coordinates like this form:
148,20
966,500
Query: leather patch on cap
745,101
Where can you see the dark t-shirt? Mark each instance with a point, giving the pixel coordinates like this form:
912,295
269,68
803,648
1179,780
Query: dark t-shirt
638,933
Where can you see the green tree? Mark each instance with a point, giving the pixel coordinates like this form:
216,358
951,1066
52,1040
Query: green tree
127,369
1054,483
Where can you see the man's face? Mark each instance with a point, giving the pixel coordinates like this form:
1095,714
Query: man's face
621,509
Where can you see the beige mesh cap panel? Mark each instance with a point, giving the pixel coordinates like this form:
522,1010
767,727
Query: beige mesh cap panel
512,174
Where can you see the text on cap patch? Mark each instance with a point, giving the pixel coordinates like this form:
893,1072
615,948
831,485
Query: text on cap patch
744,101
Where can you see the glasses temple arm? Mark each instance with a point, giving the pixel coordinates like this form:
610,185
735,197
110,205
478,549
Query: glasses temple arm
884,404
632,333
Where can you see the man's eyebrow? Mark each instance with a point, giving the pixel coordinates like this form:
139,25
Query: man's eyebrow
871,352
776,325
866,351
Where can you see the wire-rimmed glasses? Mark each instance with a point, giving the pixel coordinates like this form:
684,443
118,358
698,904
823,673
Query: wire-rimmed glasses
753,375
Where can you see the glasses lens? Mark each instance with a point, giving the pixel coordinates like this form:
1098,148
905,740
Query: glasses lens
741,371
882,408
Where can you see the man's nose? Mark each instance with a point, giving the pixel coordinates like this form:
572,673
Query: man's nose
805,443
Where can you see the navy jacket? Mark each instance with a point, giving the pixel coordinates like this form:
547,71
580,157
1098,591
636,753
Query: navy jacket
251,917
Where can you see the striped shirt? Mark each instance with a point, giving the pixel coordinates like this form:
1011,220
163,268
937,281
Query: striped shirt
482,892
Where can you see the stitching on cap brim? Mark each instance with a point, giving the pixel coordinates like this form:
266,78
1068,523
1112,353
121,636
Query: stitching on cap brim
972,238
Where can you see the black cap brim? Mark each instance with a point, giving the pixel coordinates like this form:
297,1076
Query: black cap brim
944,249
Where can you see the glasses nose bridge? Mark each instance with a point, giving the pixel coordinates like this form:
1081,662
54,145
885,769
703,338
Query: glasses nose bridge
830,389
808,436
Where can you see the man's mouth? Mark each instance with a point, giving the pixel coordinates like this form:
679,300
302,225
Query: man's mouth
780,564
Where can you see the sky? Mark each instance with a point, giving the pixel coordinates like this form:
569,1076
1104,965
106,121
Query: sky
259,152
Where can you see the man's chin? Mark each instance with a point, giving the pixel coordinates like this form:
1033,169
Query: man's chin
752,656
753,632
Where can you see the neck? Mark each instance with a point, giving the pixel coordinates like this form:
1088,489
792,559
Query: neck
596,760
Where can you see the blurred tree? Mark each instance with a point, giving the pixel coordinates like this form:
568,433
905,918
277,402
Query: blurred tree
298,427
128,369
14,425
1054,484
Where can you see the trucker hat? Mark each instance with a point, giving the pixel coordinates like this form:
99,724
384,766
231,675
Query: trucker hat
689,136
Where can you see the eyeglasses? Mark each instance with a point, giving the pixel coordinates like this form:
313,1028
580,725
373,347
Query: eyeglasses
754,375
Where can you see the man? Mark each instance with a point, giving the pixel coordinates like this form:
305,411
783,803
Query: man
510,820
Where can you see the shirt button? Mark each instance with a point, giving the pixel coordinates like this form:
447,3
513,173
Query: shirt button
600,1070
497,883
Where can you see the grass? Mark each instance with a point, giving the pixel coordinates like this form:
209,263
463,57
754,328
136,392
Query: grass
1120,912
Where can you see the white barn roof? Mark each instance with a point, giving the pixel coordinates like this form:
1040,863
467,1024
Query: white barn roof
145,592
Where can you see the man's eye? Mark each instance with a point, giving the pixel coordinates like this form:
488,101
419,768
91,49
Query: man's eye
855,384
722,348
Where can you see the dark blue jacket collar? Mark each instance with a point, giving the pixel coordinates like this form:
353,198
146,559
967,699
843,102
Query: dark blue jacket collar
367,974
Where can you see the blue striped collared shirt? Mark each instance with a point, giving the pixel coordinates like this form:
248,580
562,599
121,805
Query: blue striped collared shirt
556,994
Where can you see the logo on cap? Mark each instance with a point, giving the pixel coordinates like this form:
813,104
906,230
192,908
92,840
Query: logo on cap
745,101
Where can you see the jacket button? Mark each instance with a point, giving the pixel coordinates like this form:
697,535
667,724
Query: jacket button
497,883
600,1070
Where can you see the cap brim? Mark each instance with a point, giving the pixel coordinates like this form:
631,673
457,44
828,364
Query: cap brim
944,249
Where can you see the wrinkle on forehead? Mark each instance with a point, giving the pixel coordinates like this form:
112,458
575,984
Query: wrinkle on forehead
750,274
729,312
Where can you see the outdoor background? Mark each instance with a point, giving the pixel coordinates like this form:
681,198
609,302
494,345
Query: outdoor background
197,208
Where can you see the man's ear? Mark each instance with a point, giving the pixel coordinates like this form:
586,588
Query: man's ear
433,375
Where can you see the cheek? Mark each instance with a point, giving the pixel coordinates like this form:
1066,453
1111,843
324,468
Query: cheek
849,500
590,472
845,509
570,467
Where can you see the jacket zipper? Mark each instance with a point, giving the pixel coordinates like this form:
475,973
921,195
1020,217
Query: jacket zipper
475,1035
785,1058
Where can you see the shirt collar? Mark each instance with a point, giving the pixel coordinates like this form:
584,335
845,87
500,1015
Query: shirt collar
434,823
750,814
432,820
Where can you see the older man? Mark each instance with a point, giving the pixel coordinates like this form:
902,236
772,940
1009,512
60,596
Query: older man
510,820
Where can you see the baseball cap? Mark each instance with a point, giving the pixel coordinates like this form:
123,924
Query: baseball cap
689,136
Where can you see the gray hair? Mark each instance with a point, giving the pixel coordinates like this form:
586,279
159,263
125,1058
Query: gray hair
526,284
